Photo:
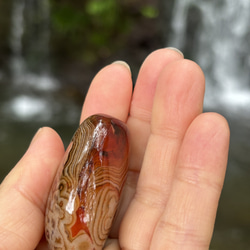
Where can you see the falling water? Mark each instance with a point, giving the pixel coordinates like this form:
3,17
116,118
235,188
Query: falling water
29,42
216,34
30,96
219,39
29,64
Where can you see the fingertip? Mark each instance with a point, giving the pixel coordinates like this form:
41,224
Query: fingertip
147,80
176,50
218,129
220,122
182,67
214,123
206,144
178,97
158,59
122,63
110,92
49,138
169,53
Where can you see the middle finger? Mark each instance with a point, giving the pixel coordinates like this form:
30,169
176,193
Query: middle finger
142,102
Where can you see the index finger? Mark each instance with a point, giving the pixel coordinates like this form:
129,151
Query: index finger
110,92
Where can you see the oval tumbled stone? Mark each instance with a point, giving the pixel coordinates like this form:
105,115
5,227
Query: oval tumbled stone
87,187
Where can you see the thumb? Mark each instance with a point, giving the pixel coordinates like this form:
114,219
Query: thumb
24,192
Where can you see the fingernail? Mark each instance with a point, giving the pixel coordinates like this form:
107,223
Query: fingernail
123,64
36,135
175,49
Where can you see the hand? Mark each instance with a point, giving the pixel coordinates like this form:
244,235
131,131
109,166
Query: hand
178,153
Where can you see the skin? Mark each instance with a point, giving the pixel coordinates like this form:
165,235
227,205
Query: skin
177,162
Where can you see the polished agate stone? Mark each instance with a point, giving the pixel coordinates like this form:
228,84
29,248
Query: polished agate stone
86,190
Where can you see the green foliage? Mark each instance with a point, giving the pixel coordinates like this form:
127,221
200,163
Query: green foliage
97,7
91,29
67,19
149,11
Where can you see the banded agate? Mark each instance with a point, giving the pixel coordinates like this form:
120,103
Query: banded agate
85,193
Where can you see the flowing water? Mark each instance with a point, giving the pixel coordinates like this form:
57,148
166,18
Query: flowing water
30,96
220,44
216,34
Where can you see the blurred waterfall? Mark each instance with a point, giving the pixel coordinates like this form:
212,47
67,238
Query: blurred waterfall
29,64
216,34
30,97
29,43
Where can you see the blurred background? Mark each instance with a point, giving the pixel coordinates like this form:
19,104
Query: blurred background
50,51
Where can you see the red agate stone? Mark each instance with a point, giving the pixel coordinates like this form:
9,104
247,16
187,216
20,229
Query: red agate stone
88,185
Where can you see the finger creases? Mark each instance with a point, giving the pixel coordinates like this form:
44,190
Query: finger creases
189,216
177,101
146,83
204,151
143,99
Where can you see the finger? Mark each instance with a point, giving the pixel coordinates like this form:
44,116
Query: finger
178,100
142,101
24,192
139,120
189,217
110,92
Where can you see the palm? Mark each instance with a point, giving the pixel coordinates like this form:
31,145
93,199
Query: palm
173,153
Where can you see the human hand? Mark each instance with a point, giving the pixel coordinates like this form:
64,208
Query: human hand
177,163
